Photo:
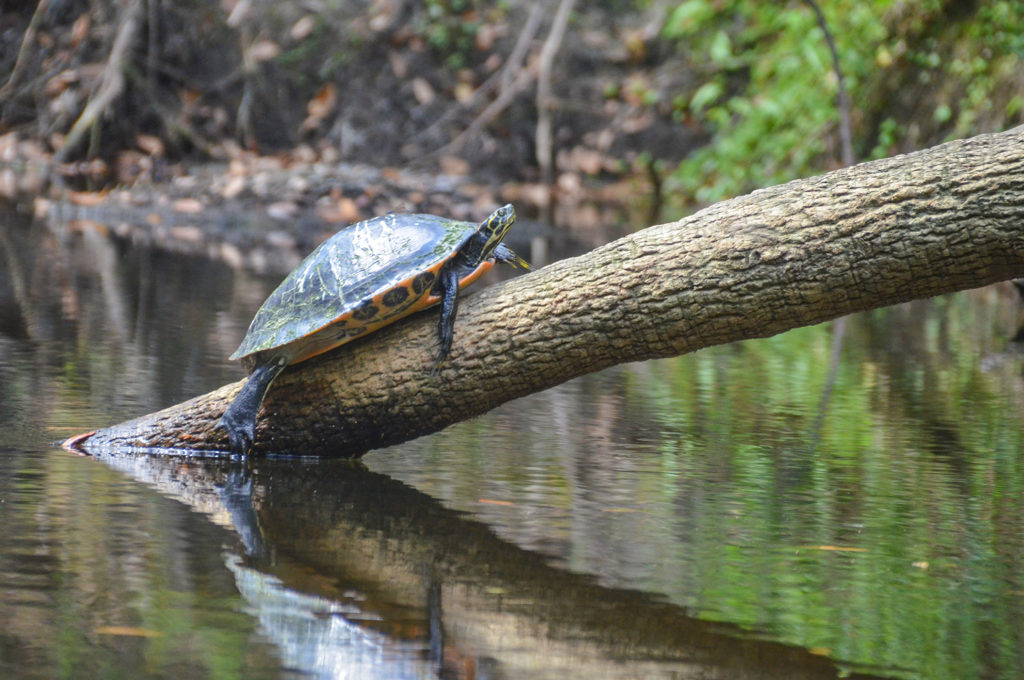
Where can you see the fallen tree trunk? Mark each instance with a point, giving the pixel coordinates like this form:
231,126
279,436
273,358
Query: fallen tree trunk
937,221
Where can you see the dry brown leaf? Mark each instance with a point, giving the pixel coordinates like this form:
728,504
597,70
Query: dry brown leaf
320,106
60,82
86,198
234,186
382,12
341,210
587,161
464,92
154,146
399,66
188,233
263,50
453,165
485,37
189,206
8,182
423,91
8,147
570,183
40,207
232,255
303,27
189,97
80,30
303,153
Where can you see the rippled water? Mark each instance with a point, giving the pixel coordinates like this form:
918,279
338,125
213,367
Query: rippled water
839,498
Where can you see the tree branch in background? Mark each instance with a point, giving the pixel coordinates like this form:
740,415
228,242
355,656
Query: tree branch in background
848,159
544,139
512,79
26,44
845,133
503,80
523,78
111,83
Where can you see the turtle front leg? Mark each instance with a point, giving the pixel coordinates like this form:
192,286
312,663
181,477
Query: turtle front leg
239,420
449,283
505,254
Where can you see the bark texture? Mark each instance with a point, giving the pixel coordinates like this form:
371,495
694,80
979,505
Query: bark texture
936,221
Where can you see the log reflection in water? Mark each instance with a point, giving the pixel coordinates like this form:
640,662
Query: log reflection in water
346,567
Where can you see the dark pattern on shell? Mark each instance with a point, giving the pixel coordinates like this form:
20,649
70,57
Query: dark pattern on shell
422,283
365,311
396,296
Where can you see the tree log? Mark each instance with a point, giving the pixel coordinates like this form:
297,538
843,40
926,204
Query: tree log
880,233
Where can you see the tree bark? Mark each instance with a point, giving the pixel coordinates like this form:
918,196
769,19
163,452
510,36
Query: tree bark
880,233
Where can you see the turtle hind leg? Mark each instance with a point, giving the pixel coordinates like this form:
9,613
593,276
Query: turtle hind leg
239,420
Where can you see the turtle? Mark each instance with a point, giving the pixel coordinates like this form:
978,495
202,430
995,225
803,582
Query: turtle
362,278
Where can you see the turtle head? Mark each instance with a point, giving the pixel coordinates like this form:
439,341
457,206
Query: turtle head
489,235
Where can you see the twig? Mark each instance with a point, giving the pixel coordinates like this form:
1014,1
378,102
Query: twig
846,137
26,45
845,134
111,81
492,111
522,42
544,118
503,79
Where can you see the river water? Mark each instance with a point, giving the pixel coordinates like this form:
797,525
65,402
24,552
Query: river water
841,499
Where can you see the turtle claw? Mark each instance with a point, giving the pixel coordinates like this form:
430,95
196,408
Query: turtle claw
241,433
239,420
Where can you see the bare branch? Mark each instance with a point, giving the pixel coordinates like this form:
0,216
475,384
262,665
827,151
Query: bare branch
111,82
544,144
26,45
845,133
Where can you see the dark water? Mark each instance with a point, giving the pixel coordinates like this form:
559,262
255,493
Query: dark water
826,501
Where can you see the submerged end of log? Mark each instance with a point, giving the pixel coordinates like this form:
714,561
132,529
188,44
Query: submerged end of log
188,428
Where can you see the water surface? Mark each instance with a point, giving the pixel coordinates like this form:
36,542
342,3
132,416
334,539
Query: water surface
835,499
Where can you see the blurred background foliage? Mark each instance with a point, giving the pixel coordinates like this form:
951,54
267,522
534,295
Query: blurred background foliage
918,73
689,102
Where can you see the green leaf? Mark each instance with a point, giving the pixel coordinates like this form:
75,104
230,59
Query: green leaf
706,94
687,18
720,49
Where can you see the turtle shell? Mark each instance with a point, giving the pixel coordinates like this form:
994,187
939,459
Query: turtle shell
360,279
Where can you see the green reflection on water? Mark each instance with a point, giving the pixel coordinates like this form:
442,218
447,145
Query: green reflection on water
101,578
870,508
